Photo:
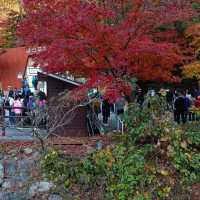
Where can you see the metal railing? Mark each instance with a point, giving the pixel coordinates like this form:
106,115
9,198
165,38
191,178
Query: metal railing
9,119
120,124
94,123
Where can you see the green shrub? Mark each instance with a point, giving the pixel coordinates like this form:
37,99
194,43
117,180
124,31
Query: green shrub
152,160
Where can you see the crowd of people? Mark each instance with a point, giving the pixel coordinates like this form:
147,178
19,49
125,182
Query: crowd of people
16,104
177,101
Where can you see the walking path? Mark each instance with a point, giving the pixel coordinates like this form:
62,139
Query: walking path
113,122
18,134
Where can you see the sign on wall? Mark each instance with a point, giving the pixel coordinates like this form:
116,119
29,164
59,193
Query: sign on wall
20,75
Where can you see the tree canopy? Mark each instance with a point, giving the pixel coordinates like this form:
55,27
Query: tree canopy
107,41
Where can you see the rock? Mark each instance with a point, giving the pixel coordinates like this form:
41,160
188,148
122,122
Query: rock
41,186
6,185
1,173
10,168
1,156
55,197
28,151
14,182
35,156
25,167
13,196
13,152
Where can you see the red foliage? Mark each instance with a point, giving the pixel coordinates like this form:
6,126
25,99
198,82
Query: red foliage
112,39
197,102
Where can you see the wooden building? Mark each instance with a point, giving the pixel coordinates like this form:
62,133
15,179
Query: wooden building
55,85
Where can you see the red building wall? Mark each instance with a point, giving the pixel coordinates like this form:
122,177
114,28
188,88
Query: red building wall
12,62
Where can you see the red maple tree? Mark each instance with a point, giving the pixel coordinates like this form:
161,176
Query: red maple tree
106,41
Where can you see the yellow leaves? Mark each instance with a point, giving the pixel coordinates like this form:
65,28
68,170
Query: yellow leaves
166,190
192,70
107,155
164,172
184,145
150,168
165,139
193,35
189,156
9,5
195,110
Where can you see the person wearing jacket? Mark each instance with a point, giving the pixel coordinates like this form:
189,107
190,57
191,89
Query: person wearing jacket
105,111
180,108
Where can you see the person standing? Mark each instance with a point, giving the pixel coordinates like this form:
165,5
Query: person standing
105,111
169,99
119,105
25,83
17,107
10,92
140,97
26,92
97,107
180,109
189,102
35,82
11,111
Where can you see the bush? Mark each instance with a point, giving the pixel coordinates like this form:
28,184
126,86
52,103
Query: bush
155,159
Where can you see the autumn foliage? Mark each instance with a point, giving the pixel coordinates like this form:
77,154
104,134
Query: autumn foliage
105,41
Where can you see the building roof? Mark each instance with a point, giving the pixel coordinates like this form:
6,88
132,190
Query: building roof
61,78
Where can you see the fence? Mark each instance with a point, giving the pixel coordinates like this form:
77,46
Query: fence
27,119
22,121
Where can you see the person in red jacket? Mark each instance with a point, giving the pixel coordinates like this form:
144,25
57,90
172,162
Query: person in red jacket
197,102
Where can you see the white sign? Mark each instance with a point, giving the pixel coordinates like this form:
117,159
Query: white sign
19,75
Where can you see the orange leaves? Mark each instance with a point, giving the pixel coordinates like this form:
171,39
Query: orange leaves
193,35
192,70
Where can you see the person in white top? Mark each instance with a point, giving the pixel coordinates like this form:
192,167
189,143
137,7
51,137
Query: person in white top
17,106
11,112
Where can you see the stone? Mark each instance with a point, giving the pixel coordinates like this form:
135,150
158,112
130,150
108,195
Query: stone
13,196
7,185
55,197
10,168
1,156
28,151
14,182
25,167
35,156
1,173
13,152
41,186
